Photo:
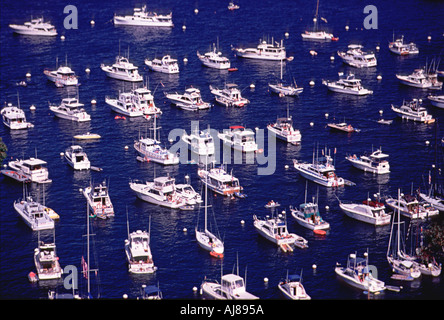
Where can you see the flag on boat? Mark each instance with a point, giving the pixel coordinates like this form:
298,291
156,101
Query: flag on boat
85,268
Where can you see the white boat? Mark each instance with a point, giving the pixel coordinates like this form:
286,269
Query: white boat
200,142
437,101
264,51
14,118
413,110
122,69
358,58
70,109
62,76
232,287
410,207
138,252
232,6
376,162
143,99
33,214
186,191
35,27
283,129
99,201
285,89
143,18
87,136
347,84
191,100
292,288
316,34
218,180
229,96
357,274
161,192
164,65
372,212
34,169
275,230
308,215
343,126
214,59
421,79
321,171
125,105
151,150
400,48
46,261
151,292
239,138
77,158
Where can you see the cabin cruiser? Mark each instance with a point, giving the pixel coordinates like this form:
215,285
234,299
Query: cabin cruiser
375,162
264,51
63,76
214,59
410,207
229,96
77,158
141,17
70,109
413,110
201,143
161,192
342,126
437,101
400,48
138,253
125,105
164,65
421,79
99,201
357,274
14,118
347,84
186,191
33,169
284,130
142,98
191,99
232,287
122,69
239,138
292,288
355,57
47,262
308,216
275,230
36,27
369,211
218,180
33,214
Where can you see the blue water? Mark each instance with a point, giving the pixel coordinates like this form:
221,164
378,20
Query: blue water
181,263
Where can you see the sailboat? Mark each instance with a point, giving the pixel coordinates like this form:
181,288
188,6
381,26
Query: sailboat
398,260
206,239
285,89
316,34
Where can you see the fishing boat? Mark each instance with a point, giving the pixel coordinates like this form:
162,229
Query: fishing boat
35,27
191,100
413,110
347,84
421,78
141,17
376,162
316,34
229,96
87,136
14,118
357,274
219,181
150,149
122,69
165,65
232,287
400,48
273,50
143,99
239,138
207,239
356,57
369,211
70,109
409,206
214,59
99,200
161,192
396,257
46,261
62,76
151,292
284,89
292,287
308,215
34,169
343,126
124,105
77,158
200,142
437,101
275,230
33,214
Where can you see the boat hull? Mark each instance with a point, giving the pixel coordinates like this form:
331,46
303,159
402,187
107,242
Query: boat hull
130,21
31,32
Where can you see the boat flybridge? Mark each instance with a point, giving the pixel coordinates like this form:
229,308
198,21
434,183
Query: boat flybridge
264,51
283,129
46,261
229,96
138,253
14,118
376,162
356,57
62,76
70,109
141,17
122,69
166,64
142,98
413,110
125,105
239,138
214,59
219,181
347,84
34,169
99,201
35,27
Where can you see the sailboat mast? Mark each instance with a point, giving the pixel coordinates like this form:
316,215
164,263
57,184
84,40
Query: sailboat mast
399,213
206,190
87,249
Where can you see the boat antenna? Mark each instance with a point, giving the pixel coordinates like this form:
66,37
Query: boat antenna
127,221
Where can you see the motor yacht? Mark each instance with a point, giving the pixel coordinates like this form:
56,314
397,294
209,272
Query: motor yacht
99,201
14,118
200,142
141,17
47,262
62,76
77,158
292,288
420,79
122,69
410,207
214,59
283,129
70,109
308,216
376,162
347,84
143,99
125,105
369,211
165,65
34,169
35,27
239,138
232,287
264,51
358,58
413,110
437,101
400,48
191,100
138,253
229,96
220,181
33,214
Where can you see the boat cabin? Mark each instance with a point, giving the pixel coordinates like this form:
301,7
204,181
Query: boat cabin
164,184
